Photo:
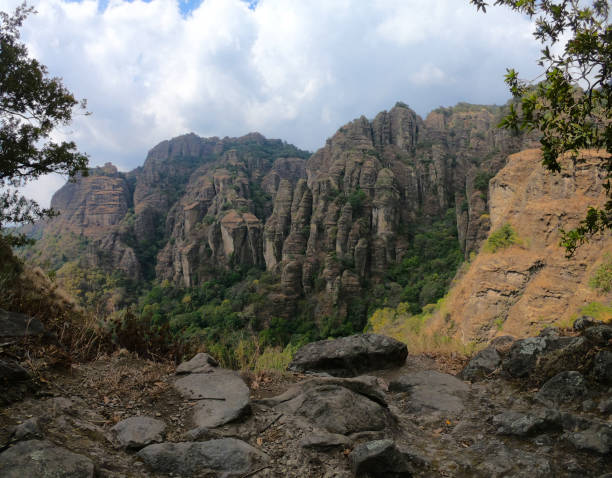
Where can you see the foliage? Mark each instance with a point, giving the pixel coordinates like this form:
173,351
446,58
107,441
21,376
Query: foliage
357,199
401,324
602,278
429,264
32,105
598,311
481,181
571,106
503,237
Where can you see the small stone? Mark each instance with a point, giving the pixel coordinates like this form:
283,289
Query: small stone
325,440
605,406
136,432
380,459
200,363
27,430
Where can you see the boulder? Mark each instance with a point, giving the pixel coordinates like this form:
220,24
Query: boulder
36,458
226,457
350,356
520,424
602,366
137,432
222,396
523,354
584,322
597,438
11,371
495,460
380,459
200,363
332,406
13,324
430,390
482,364
599,334
562,389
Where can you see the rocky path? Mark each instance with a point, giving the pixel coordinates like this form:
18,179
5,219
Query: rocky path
516,410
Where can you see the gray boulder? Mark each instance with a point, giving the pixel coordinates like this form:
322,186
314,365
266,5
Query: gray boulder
563,388
599,334
11,371
597,438
522,358
432,391
332,405
519,424
200,363
482,364
137,432
350,356
584,322
225,457
13,324
222,396
36,458
602,366
380,459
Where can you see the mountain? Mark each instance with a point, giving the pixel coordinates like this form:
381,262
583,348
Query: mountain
335,233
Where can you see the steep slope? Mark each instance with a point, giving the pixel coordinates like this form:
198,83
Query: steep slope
520,289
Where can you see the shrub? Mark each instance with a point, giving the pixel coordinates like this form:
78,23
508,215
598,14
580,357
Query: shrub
504,237
602,278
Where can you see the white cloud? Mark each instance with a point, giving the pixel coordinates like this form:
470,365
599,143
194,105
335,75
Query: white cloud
288,68
429,74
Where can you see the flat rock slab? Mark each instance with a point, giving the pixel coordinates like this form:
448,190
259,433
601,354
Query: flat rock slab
200,363
226,457
36,458
222,396
136,432
333,407
350,356
13,324
432,391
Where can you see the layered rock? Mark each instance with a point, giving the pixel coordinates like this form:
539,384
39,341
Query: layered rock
520,289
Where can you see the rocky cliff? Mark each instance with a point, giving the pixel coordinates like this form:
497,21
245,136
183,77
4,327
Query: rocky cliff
330,227
519,289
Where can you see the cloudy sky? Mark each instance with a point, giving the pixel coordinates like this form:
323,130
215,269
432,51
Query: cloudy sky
290,69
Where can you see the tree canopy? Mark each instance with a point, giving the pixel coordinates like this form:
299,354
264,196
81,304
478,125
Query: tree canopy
32,106
570,107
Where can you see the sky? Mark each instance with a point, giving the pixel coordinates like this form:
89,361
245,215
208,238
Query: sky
290,69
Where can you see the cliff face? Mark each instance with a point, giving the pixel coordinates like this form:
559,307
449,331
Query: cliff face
520,289
328,228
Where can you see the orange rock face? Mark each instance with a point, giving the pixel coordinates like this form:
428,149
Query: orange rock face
520,289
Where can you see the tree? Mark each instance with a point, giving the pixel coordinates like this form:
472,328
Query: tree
32,105
570,107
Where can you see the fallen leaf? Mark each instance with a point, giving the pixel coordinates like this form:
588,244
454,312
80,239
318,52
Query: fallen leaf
448,422
346,451
259,441
106,400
